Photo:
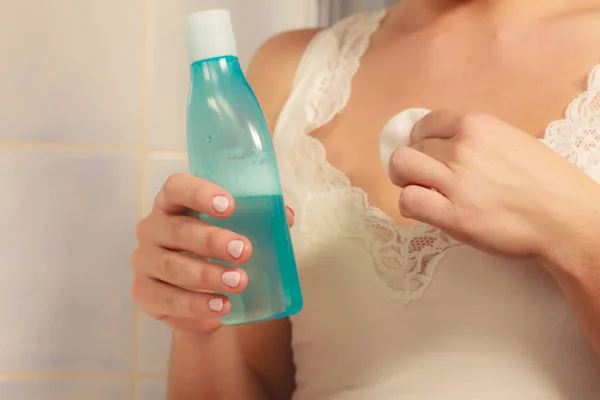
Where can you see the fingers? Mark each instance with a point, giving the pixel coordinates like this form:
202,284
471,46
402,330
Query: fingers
427,206
183,191
411,167
161,300
437,124
194,236
188,272
441,150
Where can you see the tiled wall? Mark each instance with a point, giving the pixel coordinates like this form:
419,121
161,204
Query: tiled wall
92,105
331,11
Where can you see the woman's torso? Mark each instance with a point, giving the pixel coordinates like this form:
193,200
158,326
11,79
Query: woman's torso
399,312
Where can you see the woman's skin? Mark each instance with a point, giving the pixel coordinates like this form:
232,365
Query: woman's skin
504,69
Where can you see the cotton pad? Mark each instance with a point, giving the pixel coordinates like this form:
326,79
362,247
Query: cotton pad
396,133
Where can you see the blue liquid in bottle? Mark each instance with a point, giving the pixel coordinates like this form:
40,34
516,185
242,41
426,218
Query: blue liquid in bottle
229,144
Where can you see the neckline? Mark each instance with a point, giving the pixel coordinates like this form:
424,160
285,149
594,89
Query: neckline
551,132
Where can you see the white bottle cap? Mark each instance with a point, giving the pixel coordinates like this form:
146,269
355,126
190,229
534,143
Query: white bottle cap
209,34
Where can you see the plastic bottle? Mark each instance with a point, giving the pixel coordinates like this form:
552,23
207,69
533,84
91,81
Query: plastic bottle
229,144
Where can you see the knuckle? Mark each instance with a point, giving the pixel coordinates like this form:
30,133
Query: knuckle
195,305
170,302
179,228
214,237
406,202
172,183
471,123
461,151
170,267
199,194
206,276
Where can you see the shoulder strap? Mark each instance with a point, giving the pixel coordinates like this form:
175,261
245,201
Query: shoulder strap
331,90
323,80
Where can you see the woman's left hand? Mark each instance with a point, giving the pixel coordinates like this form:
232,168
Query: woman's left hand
493,186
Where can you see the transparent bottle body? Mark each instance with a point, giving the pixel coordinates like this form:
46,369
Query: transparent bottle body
229,143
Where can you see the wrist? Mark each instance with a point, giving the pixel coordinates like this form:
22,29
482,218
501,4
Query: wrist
214,338
572,260
572,244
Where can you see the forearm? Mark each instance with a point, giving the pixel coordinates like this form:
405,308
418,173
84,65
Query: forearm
211,367
576,268
584,297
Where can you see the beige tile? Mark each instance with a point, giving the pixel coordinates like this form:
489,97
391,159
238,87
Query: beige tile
254,22
152,390
102,389
155,346
72,70
66,231
160,167
155,338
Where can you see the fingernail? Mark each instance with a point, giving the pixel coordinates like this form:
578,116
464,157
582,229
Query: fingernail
220,204
216,305
290,209
232,279
235,248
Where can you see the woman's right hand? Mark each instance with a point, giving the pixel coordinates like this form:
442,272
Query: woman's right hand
174,282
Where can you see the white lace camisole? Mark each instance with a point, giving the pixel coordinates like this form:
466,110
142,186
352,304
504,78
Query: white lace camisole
393,312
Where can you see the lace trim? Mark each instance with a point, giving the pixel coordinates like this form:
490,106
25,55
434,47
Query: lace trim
404,257
577,137
353,36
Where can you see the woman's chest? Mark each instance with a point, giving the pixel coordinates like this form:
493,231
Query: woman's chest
525,86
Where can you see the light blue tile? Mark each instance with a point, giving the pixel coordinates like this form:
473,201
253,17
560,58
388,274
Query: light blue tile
67,222
65,390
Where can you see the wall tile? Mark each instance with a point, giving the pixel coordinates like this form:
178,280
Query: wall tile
152,390
72,70
160,166
155,337
103,389
66,231
155,346
254,21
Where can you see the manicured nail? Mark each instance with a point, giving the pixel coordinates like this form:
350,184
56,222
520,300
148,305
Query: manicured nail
231,279
220,204
290,209
235,248
216,305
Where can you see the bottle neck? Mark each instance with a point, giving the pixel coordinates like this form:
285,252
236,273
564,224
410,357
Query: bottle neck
214,71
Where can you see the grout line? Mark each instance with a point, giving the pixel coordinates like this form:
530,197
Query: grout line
92,148
58,375
312,13
181,154
66,146
143,177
